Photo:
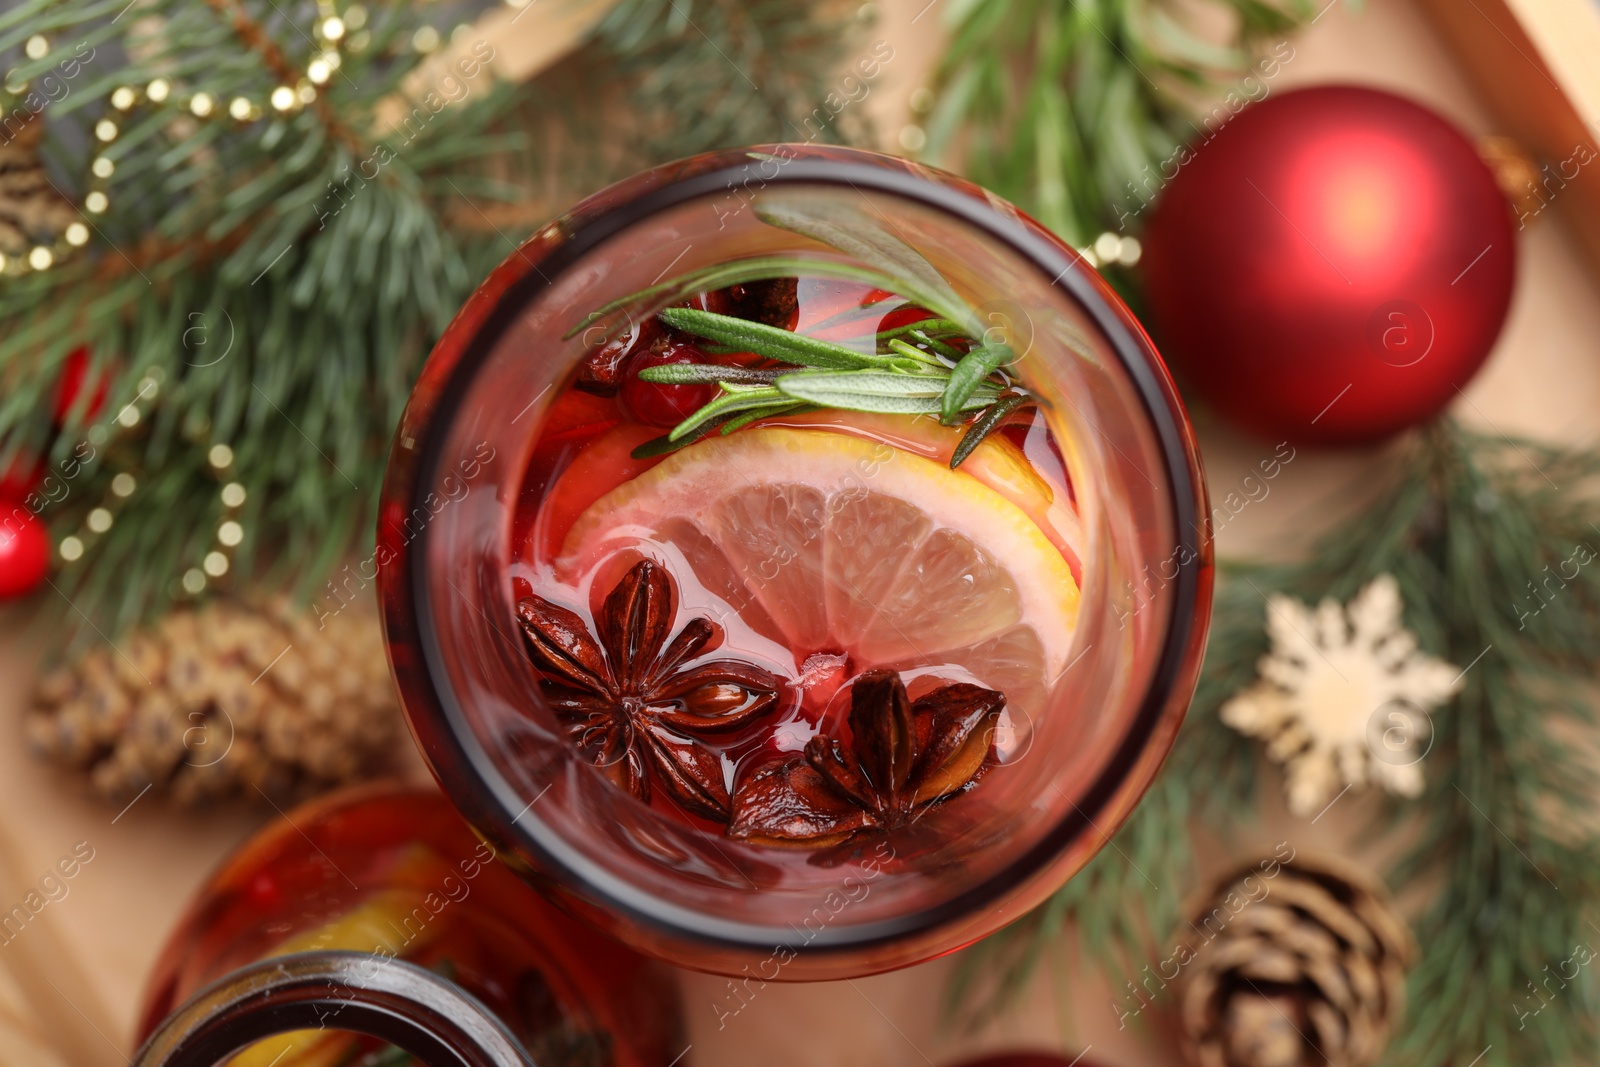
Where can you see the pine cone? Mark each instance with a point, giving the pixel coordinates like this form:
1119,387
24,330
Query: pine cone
1301,968
229,698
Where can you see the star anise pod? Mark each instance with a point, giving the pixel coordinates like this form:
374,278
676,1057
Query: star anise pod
626,699
904,757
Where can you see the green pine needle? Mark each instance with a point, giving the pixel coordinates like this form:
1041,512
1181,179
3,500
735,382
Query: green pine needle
1088,136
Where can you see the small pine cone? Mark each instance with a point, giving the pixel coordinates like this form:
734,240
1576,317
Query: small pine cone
1303,967
120,777
106,704
155,734
188,674
241,703
320,700
140,660
224,699
65,734
56,688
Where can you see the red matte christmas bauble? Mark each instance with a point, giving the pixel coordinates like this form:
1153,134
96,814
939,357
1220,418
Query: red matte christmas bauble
1330,266
24,550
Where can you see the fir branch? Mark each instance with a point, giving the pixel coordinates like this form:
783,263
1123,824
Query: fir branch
1103,102
255,39
324,273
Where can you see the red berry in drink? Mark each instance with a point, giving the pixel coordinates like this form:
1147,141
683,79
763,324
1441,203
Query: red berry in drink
659,404
602,370
715,300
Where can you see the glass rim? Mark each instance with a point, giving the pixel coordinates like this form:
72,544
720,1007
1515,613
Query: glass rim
512,819
388,998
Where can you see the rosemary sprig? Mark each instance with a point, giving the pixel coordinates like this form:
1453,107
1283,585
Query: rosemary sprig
738,272
879,391
916,355
769,341
940,380
925,329
745,398
969,375
660,446
935,366
986,424
708,374
741,421
946,350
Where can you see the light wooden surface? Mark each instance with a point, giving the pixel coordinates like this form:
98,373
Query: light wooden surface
1537,63
77,971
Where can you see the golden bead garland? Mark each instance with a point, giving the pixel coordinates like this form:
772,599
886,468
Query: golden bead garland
101,518
336,33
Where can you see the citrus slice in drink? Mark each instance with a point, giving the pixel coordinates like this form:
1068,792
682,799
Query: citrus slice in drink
390,922
832,542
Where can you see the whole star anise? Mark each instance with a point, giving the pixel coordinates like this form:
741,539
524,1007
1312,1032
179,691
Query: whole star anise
904,757
625,699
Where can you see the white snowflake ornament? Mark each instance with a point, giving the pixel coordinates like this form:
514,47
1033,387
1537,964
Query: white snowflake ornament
1343,696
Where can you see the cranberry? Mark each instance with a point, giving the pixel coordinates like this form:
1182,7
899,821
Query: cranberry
664,405
716,300
601,372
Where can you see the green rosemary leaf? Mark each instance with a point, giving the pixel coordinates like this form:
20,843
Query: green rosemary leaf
661,446
948,351
986,424
738,272
928,327
770,341
739,422
722,405
968,376
708,373
877,391
916,355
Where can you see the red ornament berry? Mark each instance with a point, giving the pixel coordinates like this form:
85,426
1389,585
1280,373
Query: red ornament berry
21,477
72,384
664,405
24,550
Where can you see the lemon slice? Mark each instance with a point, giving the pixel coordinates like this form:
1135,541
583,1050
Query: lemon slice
393,921
832,542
